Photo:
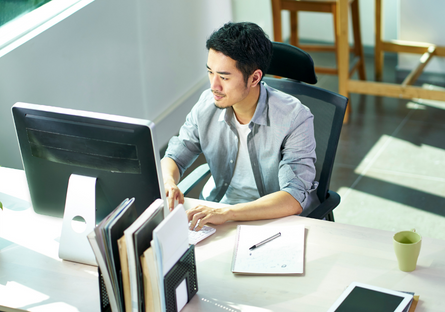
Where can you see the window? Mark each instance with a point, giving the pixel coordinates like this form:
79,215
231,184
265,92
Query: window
10,9
22,20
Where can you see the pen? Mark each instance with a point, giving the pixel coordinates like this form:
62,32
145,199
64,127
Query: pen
265,241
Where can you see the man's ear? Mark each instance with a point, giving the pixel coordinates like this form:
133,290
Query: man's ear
256,77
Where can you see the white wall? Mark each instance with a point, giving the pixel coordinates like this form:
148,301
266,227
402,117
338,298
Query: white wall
138,58
319,26
422,21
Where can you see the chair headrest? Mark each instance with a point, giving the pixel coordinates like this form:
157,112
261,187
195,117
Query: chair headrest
291,62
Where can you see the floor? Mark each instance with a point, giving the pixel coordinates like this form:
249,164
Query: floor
390,163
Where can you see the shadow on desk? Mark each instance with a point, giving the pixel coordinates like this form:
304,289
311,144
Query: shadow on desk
14,203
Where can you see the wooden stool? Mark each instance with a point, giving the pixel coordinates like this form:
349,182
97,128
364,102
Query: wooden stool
327,6
428,50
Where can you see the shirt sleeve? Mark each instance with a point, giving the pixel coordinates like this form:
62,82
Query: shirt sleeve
297,166
186,147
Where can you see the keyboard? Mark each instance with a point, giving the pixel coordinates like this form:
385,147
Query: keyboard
196,236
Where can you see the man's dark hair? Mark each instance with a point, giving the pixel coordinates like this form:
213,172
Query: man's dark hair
246,43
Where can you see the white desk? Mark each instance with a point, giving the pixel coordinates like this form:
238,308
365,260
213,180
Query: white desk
336,255
32,277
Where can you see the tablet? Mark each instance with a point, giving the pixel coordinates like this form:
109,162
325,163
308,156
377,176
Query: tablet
367,298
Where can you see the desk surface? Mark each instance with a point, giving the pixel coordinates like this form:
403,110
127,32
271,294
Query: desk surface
335,255
32,276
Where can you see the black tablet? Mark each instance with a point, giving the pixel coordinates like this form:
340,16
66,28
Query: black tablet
367,298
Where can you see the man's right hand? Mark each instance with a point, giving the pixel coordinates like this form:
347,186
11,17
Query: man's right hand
170,174
174,194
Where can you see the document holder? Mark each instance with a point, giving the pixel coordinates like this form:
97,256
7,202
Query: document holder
185,268
104,301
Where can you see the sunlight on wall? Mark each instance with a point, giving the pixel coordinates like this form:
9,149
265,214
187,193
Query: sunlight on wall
27,26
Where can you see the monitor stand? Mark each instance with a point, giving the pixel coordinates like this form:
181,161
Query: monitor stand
80,202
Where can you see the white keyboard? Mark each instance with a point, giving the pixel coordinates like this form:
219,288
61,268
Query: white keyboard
196,236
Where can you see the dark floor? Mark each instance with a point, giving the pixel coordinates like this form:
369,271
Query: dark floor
390,163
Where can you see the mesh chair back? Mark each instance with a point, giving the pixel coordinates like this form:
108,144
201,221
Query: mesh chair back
327,107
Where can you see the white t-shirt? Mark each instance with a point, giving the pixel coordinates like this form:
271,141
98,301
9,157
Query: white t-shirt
242,188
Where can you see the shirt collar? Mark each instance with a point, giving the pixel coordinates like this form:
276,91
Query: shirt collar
260,115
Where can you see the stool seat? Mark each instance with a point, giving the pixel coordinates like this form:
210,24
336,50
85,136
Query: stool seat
324,6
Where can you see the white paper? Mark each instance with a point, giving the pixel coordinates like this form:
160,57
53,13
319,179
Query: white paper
170,239
181,295
172,235
283,255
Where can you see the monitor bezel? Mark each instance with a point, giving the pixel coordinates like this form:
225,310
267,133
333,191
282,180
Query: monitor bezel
20,110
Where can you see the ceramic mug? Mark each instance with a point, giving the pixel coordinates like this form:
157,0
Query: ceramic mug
407,248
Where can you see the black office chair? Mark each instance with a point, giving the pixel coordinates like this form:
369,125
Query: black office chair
295,67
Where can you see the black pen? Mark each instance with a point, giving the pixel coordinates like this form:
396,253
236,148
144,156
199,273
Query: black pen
265,241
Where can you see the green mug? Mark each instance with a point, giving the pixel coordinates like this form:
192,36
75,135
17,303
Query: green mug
407,248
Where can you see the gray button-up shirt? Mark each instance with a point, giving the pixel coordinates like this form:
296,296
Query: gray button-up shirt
281,145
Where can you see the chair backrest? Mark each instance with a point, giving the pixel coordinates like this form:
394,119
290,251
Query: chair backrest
292,62
327,107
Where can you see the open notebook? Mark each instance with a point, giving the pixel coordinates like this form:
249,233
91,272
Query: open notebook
282,255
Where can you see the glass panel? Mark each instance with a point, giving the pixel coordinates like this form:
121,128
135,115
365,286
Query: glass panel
10,9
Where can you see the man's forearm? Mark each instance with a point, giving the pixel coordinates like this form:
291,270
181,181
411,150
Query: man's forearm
170,170
272,206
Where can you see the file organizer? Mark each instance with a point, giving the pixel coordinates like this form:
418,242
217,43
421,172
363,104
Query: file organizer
185,268
104,301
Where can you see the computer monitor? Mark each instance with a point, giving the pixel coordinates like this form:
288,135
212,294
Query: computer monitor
58,143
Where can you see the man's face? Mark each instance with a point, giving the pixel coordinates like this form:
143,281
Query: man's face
226,81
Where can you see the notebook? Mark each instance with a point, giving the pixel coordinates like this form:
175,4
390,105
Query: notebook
282,255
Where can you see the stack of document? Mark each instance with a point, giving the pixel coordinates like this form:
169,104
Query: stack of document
134,243
170,241
104,242
135,253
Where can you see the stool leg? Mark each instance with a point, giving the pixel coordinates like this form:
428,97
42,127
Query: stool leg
294,28
378,51
341,29
276,17
358,47
336,33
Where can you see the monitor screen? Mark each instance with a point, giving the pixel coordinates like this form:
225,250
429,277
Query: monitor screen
120,152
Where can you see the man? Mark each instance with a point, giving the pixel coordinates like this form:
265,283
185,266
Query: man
258,142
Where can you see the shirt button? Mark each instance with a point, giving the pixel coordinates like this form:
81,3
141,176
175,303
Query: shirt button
225,184
231,161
